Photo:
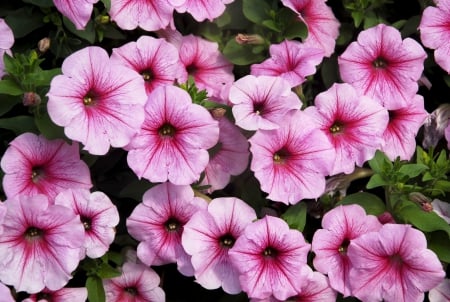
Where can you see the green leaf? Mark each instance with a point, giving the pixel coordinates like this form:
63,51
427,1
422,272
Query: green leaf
412,170
443,185
24,20
48,128
376,181
106,271
241,54
439,242
96,292
107,4
295,216
115,257
256,10
88,33
271,25
10,87
7,102
380,163
295,30
329,71
40,3
371,203
425,221
358,17
44,77
19,124
411,26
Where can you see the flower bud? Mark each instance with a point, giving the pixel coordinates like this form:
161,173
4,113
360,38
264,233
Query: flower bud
249,39
31,99
44,45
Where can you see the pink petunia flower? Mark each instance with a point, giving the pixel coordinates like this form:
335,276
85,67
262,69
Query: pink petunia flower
174,139
6,42
383,66
271,259
291,60
66,294
442,208
206,64
229,157
440,293
340,226
137,283
78,12
34,165
323,27
262,102
156,60
202,9
393,264
435,33
98,103
149,15
399,138
208,237
98,215
5,293
353,123
40,245
291,162
158,223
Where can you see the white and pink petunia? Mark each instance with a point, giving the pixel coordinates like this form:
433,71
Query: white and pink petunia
291,162
156,60
271,259
393,264
208,237
6,42
137,283
174,139
262,102
78,12
40,245
158,223
291,60
353,123
66,294
435,32
98,103
34,165
98,215
340,226
383,67
323,27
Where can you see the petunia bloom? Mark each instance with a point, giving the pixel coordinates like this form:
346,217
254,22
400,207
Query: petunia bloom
440,293
393,264
382,66
149,15
40,245
435,33
262,102
34,165
208,237
442,208
5,293
158,223
79,12
323,27
340,226
98,215
291,162
291,60
137,283
156,60
271,259
174,139
6,42
98,103
202,9
353,123
66,294
399,138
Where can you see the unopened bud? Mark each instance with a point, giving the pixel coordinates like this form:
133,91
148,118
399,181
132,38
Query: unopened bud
423,201
102,19
44,45
218,113
249,39
31,99
385,217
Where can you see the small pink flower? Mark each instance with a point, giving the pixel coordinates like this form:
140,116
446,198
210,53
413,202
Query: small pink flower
79,12
138,283
66,294
440,293
291,162
399,138
354,124
323,27
156,60
393,264
159,221
208,237
291,60
202,9
262,102
34,165
435,32
98,103
174,139
149,15
271,259
6,42
98,215
340,226
40,245
383,66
